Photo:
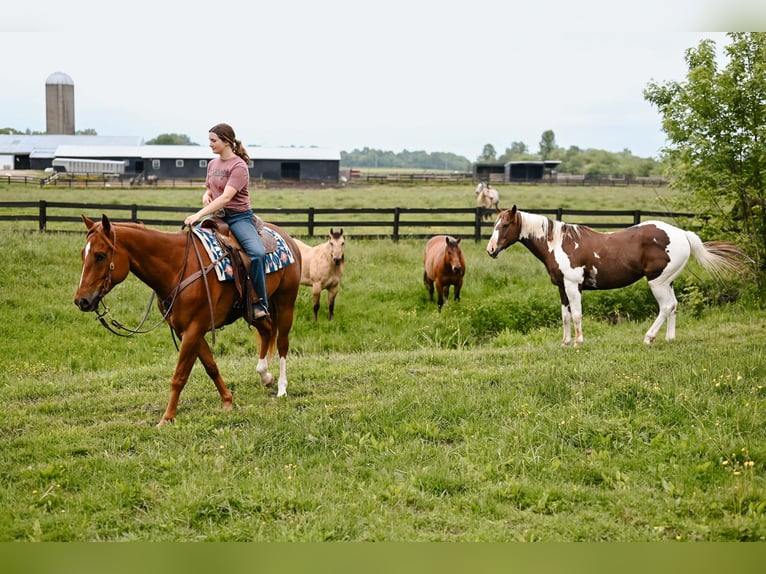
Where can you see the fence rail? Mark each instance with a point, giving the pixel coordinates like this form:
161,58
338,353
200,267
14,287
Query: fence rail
393,223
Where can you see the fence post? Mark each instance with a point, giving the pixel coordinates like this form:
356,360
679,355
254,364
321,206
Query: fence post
43,217
397,211
477,225
134,213
310,223
637,217
559,214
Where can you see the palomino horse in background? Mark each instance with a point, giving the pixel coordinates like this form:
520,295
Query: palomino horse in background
323,269
577,258
444,266
487,197
190,302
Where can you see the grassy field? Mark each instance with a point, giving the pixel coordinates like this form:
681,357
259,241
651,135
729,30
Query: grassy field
401,423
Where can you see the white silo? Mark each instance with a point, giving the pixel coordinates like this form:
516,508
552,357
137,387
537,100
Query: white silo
59,104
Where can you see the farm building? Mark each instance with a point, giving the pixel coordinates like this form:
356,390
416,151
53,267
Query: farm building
525,170
529,170
490,172
190,161
37,151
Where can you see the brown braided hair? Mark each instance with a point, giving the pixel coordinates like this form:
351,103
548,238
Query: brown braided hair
226,133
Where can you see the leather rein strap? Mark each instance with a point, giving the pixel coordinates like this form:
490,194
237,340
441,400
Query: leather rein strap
120,330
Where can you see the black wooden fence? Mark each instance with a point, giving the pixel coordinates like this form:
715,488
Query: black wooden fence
393,223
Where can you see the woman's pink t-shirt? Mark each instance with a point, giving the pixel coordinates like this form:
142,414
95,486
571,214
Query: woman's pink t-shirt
233,172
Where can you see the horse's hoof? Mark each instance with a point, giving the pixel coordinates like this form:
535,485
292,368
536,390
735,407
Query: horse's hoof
164,422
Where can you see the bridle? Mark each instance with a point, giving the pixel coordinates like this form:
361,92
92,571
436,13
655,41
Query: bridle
117,328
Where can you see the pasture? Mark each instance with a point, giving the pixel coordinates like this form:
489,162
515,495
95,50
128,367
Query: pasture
401,423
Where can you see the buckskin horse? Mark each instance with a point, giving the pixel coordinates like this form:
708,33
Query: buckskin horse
191,302
444,266
577,258
487,198
323,269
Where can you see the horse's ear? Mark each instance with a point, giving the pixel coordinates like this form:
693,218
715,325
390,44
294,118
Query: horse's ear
106,224
498,208
513,209
89,223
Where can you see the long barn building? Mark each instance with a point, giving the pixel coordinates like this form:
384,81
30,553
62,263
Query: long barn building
295,164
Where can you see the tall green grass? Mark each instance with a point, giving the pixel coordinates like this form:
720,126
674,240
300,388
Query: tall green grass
401,423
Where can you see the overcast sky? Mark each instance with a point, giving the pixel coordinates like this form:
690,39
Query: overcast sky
433,75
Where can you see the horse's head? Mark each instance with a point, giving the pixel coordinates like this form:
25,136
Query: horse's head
337,246
506,231
102,268
453,256
481,187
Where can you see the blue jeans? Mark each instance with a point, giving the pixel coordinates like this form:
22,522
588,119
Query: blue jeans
242,225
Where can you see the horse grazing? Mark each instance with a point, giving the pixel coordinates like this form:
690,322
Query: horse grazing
487,197
444,266
577,258
191,302
323,269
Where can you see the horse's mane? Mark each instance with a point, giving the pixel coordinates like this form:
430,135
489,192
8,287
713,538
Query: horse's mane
537,226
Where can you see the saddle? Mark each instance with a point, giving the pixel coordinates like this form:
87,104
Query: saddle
240,262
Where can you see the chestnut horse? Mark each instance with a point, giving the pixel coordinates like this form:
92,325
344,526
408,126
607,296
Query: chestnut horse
444,266
323,269
577,258
187,297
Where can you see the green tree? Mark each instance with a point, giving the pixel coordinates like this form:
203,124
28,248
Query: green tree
488,153
86,132
547,144
171,139
715,123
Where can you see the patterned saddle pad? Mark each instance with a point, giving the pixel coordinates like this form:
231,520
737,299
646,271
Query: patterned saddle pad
278,254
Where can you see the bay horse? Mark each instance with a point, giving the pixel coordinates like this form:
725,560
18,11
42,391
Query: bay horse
191,303
323,269
487,197
577,258
444,266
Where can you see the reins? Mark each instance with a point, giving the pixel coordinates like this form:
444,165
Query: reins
117,328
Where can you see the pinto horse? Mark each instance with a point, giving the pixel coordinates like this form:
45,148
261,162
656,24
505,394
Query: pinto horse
190,302
323,269
577,258
444,266
487,197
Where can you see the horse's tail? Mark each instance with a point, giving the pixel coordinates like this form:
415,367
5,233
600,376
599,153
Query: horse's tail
718,257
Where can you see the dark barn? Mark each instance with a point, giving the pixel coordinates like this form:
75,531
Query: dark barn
529,170
489,172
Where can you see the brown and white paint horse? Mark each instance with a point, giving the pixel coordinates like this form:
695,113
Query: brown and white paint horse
444,266
577,258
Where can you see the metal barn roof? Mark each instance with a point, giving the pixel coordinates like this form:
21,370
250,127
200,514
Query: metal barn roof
45,145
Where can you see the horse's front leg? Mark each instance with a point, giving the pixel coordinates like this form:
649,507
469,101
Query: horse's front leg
566,317
211,368
188,353
332,292
316,292
574,296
